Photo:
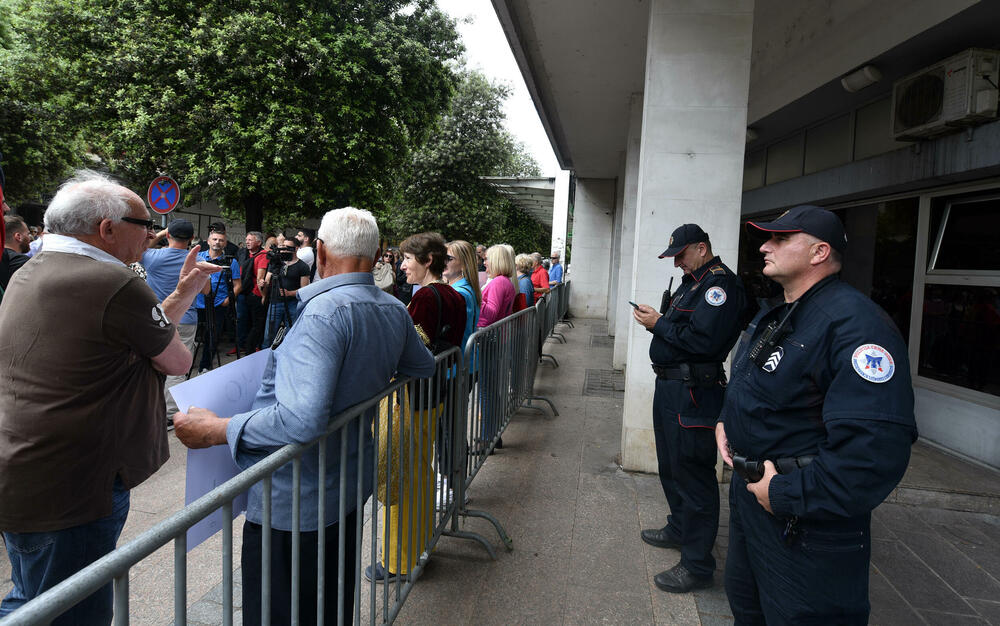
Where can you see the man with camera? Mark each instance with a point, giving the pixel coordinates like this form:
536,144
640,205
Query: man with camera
286,274
691,339
817,424
221,290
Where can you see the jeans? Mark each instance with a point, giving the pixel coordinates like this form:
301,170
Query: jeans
40,561
276,315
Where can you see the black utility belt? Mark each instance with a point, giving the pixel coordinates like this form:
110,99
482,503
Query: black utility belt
693,374
752,471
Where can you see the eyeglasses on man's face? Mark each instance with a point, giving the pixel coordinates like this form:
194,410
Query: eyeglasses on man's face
149,224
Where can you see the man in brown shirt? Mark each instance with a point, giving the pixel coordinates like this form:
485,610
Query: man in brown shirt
86,345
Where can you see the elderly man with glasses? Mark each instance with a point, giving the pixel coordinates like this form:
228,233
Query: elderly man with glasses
86,345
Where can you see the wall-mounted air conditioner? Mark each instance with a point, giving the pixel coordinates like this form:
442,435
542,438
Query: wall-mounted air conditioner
957,92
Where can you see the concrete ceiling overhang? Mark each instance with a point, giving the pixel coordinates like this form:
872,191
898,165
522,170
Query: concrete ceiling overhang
536,196
581,60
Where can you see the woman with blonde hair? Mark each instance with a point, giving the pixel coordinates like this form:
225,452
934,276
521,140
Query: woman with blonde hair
462,275
498,295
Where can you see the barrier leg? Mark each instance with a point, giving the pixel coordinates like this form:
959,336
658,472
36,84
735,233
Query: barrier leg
555,413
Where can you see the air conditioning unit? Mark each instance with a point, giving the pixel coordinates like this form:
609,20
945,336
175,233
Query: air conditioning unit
957,92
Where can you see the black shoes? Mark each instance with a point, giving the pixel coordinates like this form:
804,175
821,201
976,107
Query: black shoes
678,579
659,538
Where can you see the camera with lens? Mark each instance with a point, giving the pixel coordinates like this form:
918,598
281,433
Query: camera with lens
276,257
223,261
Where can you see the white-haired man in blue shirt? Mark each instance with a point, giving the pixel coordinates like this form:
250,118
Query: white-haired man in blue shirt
349,340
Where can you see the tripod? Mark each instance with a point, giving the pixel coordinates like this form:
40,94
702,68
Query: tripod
276,295
210,333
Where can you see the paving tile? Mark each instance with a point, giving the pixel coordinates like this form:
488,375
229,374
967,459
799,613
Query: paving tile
990,611
888,607
900,517
583,606
975,545
920,586
935,618
956,569
713,601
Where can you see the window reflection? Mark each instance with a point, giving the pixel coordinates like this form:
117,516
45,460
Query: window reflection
959,336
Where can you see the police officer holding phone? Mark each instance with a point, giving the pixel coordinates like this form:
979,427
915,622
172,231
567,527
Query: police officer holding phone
691,339
817,424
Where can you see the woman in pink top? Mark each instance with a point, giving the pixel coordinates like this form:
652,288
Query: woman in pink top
498,294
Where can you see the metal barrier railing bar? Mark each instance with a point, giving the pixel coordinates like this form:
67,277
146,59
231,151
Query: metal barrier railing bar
414,450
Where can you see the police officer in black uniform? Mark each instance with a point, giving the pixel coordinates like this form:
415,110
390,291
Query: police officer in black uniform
691,339
818,424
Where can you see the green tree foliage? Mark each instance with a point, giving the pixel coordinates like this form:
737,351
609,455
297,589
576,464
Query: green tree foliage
290,107
39,136
444,190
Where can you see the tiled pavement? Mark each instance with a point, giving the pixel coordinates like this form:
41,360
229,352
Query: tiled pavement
575,518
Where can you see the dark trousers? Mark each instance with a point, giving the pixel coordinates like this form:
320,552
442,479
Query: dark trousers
214,319
281,574
255,309
686,462
242,320
821,578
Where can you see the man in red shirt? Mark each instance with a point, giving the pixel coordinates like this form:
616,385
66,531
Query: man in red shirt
539,276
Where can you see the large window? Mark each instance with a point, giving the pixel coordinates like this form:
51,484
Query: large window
960,317
879,262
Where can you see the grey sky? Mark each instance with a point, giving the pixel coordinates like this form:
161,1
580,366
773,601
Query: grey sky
486,49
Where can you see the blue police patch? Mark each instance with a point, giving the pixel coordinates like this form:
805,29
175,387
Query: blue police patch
873,363
716,296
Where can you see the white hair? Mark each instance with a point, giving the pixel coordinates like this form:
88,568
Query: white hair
83,202
349,232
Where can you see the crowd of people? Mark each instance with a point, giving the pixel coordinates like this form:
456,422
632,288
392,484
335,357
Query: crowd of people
341,320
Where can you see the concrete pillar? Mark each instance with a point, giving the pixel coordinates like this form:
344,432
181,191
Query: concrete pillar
630,188
690,166
560,215
592,224
614,288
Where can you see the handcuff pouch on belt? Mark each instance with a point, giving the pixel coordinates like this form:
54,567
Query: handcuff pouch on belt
693,374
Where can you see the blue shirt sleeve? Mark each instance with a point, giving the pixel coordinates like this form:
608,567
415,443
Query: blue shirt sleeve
304,378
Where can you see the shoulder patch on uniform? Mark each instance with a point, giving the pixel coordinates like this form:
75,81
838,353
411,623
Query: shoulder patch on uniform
873,363
717,269
716,296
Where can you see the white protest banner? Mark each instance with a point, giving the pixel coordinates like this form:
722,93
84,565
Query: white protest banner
227,391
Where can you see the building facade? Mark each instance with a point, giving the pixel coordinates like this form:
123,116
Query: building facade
674,111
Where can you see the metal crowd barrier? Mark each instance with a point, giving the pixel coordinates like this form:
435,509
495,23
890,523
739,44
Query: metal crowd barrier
563,315
415,448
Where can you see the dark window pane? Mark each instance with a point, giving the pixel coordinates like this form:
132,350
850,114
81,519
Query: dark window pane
970,239
894,258
959,336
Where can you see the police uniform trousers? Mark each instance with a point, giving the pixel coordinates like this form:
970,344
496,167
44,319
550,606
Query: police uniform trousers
686,459
820,578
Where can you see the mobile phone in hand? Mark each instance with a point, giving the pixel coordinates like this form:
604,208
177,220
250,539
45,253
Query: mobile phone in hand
634,305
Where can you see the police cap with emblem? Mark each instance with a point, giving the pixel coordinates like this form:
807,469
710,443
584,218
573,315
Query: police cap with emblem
809,219
683,237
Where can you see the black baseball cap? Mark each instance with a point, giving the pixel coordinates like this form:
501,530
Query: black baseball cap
181,229
813,220
683,237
